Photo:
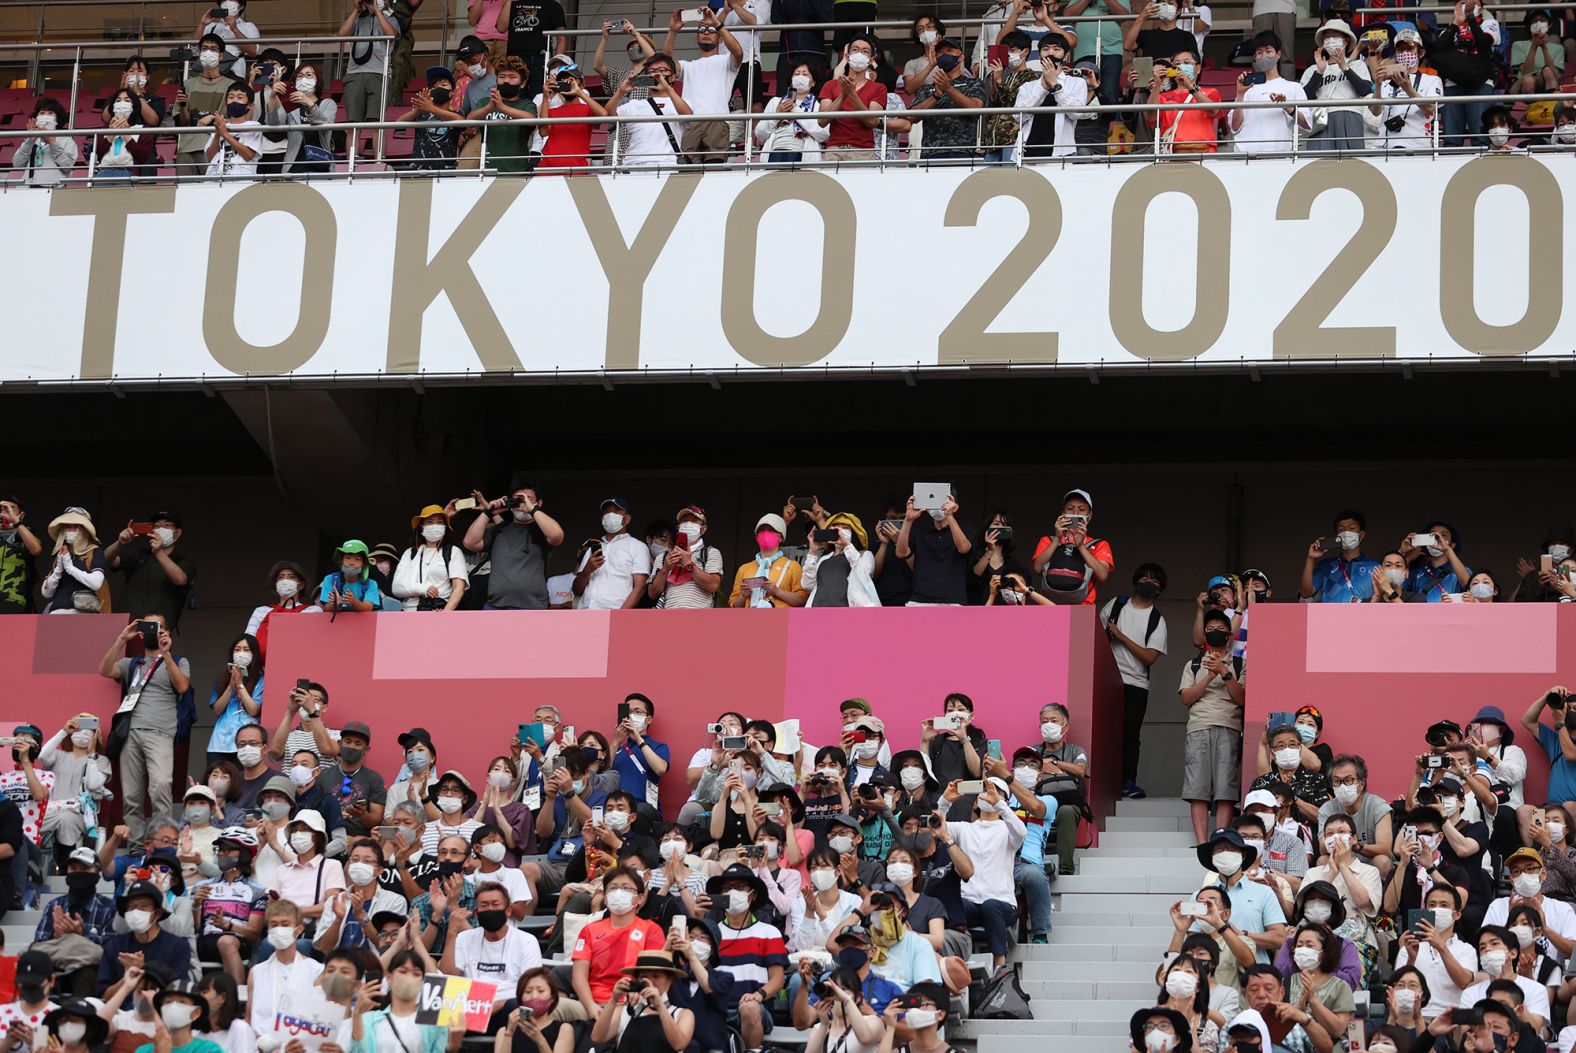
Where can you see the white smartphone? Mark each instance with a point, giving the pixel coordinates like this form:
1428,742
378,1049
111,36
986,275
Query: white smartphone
946,722
692,15
1193,910
1424,540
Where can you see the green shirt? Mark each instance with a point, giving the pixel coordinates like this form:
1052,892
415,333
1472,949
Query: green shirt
1109,33
507,146
196,1045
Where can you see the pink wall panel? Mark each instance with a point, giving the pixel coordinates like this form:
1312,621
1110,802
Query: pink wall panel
480,646
1432,638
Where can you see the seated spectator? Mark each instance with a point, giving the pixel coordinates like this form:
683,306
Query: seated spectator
1161,1029
46,159
1481,588
1233,953
142,907
404,974
1319,903
1547,830
1281,852
1463,842
1498,949
773,579
1335,570
230,904
237,141
1525,869
1327,997
1256,910
991,840
1183,131
1184,989
81,772
1359,884
1295,1027
1437,570
1369,813
1406,997
1338,73
351,587
1213,687
956,752
124,152
1526,923
648,1022
1538,62
492,949
1073,566
1294,765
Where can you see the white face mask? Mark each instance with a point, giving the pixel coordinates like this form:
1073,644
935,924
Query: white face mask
1347,794
1288,758
1051,731
656,549
1181,984
72,1034
738,901
1448,806
499,780
841,844
1306,957
830,773
1539,28
618,822
302,842
139,921
1331,840
231,7
1255,843
1405,1001
281,936
1159,1042
1026,776
123,109
1523,934
928,37
672,850
82,739
823,879
249,756
242,659
1167,12
449,805
1556,830
912,778
1347,539
1227,863
1395,576
1431,841
1565,133
867,750
771,848
919,1019
433,531
1435,551
208,59
478,70
46,122
306,85
1493,962
692,530
900,874
177,1015
361,874
1527,884
1318,911
858,61
612,523
493,851
165,535
70,536
620,901
301,775
1444,917
1482,590
1014,60
287,587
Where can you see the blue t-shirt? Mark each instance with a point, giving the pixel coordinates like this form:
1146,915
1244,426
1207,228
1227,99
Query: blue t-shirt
1254,908
1562,773
365,590
878,991
1337,580
1037,830
234,718
633,770
1434,582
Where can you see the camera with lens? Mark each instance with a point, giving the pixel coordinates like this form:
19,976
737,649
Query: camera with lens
823,990
566,83
1395,124
513,501
880,900
1434,761
933,821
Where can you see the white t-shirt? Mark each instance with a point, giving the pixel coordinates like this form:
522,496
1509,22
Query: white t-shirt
1134,623
243,30
814,929
383,901
501,962
1558,916
228,162
992,846
1445,994
1534,996
510,878
1418,131
708,82
1193,23
750,41
623,557
273,977
425,569
1267,131
13,1013
561,588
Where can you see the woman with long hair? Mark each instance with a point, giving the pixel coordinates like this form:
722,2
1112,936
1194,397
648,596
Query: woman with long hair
431,574
237,696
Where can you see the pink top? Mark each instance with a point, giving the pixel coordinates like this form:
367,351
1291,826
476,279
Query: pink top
487,25
297,882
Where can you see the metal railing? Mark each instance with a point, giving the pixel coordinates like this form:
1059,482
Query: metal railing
1298,145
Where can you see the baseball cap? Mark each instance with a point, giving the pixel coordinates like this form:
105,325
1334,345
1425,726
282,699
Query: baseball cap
1075,492
773,520
436,73
356,727
34,967
694,511
470,46
616,502
1260,798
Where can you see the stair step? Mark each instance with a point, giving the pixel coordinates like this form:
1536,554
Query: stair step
1046,992
1167,806
1138,849
1155,909
1147,839
1070,968
1134,881
1074,947
1108,1009
1064,1044
1182,866
983,1030
1122,824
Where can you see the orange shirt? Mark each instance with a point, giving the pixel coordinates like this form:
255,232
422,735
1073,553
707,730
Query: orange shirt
610,949
1198,126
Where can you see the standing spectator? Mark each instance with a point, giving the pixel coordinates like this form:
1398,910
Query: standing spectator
232,29
29,788
1463,54
19,551
528,23
362,96
197,100
1369,813
76,582
1437,570
613,76
237,696
995,558
351,587
486,23
772,580
1267,131
690,572
568,145
306,151
1001,132
158,576
1072,567
950,86
1155,33
613,573
803,45
402,65
708,84
517,535
1559,540
793,139
288,581
894,577
936,550
1138,638
156,689
1407,126
431,574
840,573
853,88
1335,570
434,149
1102,42
652,143
1213,689
1050,135
1183,131
1280,18
1338,73
46,159
237,142
1196,18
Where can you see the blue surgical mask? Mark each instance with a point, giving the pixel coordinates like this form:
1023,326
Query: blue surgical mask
1186,68
418,761
579,786
1307,734
947,62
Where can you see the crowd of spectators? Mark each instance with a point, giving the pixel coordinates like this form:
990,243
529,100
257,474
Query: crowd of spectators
850,890
517,65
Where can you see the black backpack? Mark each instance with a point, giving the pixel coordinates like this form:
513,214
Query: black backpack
1236,666
1154,616
1000,997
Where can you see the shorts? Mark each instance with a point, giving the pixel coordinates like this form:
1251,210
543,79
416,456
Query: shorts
208,946
705,142
553,871
1212,765
854,153
766,1016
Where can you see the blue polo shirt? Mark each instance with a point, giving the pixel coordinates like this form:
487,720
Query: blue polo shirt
1562,773
565,847
1337,580
1434,582
1254,908
634,772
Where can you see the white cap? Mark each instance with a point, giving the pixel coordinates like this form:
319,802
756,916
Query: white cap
773,520
1079,493
311,819
83,855
1264,797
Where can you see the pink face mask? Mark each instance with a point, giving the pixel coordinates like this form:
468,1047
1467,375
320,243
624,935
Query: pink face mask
768,540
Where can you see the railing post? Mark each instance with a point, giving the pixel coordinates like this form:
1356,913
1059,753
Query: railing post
76,79
383,98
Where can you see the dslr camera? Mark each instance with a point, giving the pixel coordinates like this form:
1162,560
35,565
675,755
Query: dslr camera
1395,124
513,501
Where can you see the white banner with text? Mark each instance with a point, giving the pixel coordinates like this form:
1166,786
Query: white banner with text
1408,258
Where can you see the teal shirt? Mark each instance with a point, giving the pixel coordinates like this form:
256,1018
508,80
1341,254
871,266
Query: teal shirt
434,1039
1109,33
196,1045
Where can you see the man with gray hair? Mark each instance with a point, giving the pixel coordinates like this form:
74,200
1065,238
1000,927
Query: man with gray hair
407,870
1369,813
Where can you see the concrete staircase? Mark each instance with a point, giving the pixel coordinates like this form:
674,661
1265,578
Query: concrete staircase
1111,925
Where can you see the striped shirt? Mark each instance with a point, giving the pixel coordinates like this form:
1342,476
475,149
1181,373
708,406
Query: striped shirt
748,954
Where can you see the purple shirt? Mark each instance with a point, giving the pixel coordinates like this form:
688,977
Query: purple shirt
1350,969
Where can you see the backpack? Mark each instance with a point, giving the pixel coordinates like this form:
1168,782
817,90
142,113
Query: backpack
1154,616
120,723
1000,997
1236,666
1066,572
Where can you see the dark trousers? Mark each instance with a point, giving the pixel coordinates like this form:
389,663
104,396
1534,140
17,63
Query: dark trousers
1135,704
851,11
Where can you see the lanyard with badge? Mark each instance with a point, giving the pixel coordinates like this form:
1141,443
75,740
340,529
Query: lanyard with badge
633,753
140,681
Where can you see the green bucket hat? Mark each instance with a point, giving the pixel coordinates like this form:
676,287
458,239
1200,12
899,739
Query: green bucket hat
356,548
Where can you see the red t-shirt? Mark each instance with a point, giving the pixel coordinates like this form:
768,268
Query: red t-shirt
609,950
569,145
1198,126
845,130
1098,546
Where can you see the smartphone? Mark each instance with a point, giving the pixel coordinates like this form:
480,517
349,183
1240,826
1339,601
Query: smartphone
735,742
946,722
804,503
88,723
465,504
736,766
1424,540
1003,533
1255,77
1409,832
386,833
824,535
142,528
692,15
1193,910
891,524
753,852
150,634
993,748
642,80
596,815
566,735
623,712
536,733
771,808
858,736
971,786
1413,917
1143,70
1546,562
679,924
1277,719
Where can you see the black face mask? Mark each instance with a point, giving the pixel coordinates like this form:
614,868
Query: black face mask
706,45
1147,589
852,958
492,920
923,841
351,754
509,91
81,885
440,96
32,994
1216,637
448,867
